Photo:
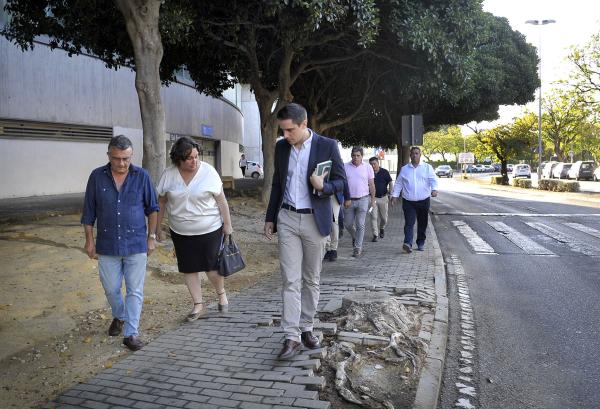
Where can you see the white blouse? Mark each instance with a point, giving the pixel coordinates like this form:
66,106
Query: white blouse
192,208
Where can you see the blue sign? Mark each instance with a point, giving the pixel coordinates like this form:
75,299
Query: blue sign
207,130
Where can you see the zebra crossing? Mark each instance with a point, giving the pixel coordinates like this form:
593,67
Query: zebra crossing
578,238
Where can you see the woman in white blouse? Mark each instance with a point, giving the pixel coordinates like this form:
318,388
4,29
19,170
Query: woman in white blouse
191,192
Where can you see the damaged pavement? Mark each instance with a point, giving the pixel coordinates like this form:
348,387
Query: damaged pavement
382,319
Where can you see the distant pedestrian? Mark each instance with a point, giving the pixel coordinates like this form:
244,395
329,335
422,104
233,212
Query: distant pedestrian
362,197
243,165
416,182
383,186
120,196
191,192
300,211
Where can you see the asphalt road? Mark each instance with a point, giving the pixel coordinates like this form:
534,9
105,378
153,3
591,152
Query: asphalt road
534,293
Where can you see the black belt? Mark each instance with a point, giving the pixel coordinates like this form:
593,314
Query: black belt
358,198
293,209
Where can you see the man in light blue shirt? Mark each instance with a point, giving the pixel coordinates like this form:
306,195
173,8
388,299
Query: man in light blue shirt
120,197
416,182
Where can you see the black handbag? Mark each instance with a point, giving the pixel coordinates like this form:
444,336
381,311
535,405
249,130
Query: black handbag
230,258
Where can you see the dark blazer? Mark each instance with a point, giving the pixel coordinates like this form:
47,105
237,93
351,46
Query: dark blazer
321,149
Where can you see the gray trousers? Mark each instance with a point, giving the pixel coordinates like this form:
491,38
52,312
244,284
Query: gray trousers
379,215
354,220
301,251
333,238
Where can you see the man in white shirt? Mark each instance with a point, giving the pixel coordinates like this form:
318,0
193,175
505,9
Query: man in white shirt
416,182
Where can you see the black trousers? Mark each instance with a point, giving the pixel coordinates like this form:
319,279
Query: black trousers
419,211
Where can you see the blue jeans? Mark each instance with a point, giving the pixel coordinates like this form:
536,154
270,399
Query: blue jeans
354,220
132,268
419,211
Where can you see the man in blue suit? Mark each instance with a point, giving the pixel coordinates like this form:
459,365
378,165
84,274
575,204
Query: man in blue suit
300,212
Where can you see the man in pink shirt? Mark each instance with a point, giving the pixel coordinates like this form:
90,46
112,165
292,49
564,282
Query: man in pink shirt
362,196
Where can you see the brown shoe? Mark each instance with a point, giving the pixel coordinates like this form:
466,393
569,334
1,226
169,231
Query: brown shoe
309,340
290,349
116,326
133,342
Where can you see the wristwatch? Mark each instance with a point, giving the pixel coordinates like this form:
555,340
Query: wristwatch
152,236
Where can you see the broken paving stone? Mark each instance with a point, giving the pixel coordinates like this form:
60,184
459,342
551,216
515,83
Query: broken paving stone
405,290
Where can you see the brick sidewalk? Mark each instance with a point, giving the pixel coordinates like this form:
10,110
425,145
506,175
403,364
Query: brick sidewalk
229,360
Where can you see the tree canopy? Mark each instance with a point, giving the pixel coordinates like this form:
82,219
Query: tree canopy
446,140
358,66
509,142
586,73
488,65
563,120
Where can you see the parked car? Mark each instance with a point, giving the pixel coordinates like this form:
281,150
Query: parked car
254,169
561,170
521,170
444,170
497,167
597,174
488,168
547,170
582,169
479,168
509,167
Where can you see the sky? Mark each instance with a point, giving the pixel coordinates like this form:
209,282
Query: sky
576,22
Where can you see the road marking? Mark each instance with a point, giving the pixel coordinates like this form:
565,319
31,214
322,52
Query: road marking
584,229
520,240
467,391
575,244
477,243
517,214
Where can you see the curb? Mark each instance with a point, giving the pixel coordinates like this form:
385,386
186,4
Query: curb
428,389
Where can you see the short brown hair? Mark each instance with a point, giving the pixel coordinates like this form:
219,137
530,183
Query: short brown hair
295,112
181,149
358,149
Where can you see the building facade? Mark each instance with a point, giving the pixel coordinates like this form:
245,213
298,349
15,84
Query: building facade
57,114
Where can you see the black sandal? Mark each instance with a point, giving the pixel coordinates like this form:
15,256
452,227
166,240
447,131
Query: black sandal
222,307
193,316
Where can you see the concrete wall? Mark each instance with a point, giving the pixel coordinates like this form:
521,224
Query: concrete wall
38,167
46,85
252,138
228,158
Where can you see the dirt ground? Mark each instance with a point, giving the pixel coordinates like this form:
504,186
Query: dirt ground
53,313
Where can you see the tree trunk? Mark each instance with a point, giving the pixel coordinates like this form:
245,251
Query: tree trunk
504,171
405,155
268,128
141,19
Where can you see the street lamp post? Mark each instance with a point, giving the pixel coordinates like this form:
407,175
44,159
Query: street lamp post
540,23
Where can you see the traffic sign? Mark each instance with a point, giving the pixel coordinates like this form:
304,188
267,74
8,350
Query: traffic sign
466,157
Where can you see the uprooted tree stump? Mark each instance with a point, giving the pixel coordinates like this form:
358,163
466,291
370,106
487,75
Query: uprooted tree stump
381,376
376,313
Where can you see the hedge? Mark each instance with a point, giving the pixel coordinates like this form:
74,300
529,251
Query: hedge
524,183
558,185
497,180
